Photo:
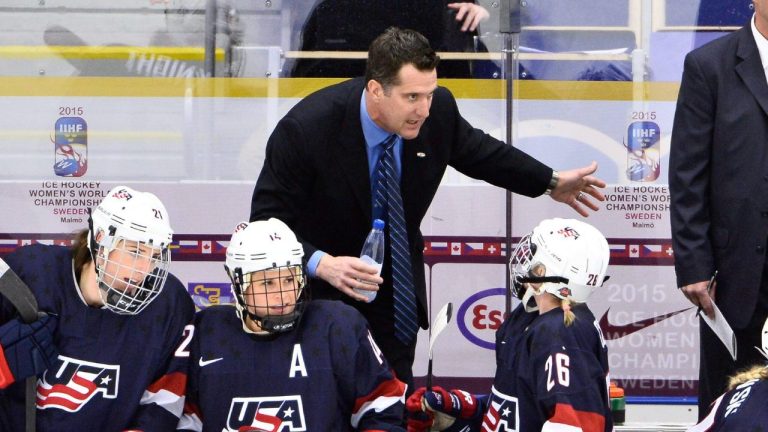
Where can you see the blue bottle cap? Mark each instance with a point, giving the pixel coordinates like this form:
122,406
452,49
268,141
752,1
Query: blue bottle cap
378,224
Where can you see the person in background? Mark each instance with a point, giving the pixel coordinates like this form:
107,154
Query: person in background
718,188
351,25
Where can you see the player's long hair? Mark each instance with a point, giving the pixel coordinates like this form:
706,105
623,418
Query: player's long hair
755,372
568,316
81,255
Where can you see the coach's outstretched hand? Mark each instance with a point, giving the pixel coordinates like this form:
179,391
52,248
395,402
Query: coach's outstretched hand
579,189
26,349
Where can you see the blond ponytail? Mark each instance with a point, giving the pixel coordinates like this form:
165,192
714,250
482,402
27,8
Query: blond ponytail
755,372
568,316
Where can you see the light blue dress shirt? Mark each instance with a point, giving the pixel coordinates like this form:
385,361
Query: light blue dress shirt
374,137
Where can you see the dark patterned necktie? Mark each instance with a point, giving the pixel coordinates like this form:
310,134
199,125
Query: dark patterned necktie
388,196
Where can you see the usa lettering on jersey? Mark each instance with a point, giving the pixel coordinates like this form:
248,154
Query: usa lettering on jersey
739,397
272,414
75,383
503,414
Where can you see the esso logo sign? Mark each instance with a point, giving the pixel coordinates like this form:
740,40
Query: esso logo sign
481,315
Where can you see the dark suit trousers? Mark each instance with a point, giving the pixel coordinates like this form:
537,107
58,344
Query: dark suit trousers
399,356
716,365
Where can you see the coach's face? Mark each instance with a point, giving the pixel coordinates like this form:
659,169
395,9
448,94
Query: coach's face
761,16
403,108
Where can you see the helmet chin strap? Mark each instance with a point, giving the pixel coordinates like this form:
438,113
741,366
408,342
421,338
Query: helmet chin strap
529,293
274,324
269,324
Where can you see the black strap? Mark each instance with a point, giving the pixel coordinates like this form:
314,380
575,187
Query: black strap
31,404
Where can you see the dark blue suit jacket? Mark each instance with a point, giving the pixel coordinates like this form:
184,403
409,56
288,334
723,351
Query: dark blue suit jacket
315,178
718,172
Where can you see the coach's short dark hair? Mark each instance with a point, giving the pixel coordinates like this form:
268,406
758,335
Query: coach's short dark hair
394,49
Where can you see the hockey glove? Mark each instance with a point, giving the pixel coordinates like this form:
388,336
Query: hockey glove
420,419
26,349
441,407
456,403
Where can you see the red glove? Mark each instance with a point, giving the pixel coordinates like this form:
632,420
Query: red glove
439,409
456,403
419,418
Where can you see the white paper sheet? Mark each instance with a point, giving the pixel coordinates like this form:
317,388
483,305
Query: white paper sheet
722,329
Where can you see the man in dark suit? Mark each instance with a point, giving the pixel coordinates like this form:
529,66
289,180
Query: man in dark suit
320,167
718,180
351,25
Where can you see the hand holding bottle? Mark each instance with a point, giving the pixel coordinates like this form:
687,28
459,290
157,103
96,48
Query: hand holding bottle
373,253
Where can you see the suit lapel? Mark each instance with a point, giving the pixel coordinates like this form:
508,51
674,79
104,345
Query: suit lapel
750,68
413,155
351,156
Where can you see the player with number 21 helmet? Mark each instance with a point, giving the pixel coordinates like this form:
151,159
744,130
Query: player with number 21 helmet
129,239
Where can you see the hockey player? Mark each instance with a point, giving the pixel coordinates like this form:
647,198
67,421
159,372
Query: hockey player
277,361
121,317
744,406
551,359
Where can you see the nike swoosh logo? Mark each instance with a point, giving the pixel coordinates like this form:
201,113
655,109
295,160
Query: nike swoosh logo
204,363
612,331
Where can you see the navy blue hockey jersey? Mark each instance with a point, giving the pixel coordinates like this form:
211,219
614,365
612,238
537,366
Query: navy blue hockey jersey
114,372
326,375
744,408
549,376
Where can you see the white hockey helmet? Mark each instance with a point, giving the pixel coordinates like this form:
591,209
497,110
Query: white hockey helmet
565,257
764,349
136,225
260,246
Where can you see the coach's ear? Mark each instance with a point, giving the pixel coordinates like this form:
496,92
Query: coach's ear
375,89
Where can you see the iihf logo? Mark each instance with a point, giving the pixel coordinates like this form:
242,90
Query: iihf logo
71,147
75,382
643,153
272,414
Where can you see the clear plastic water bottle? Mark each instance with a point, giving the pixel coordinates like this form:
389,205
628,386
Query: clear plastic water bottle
373,253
